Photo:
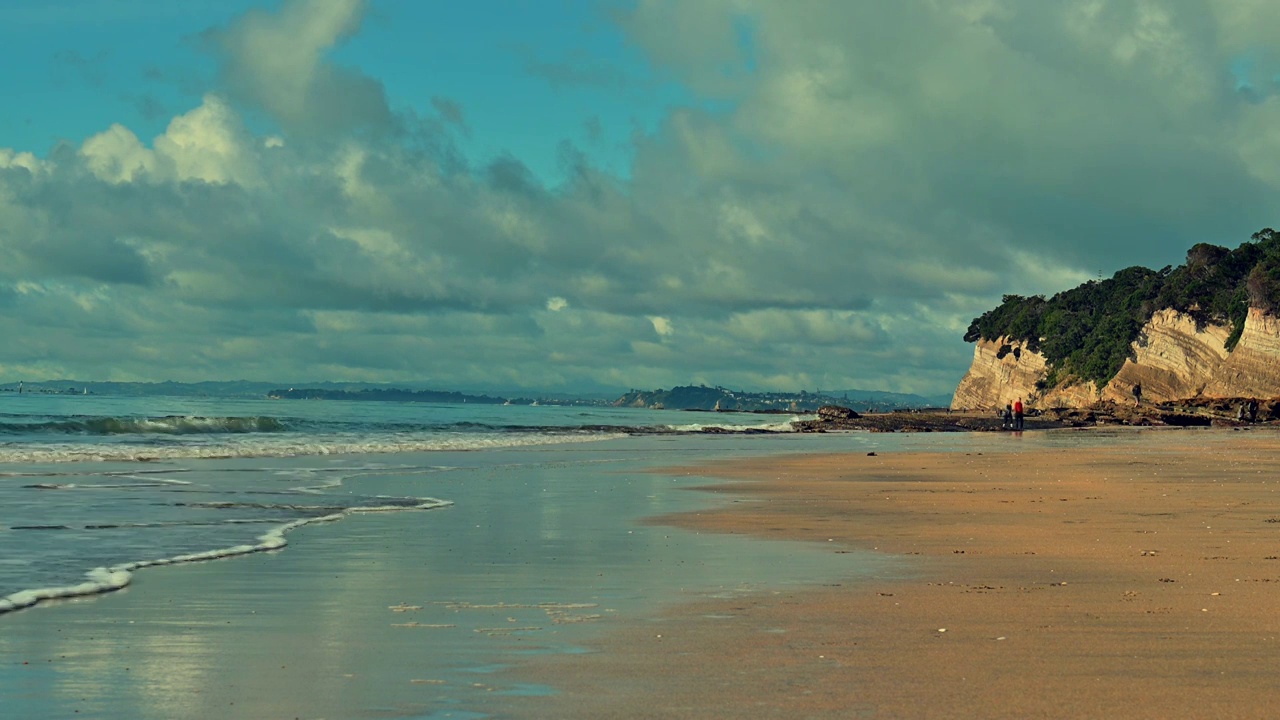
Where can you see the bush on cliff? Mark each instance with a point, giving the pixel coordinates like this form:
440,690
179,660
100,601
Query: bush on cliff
1087,332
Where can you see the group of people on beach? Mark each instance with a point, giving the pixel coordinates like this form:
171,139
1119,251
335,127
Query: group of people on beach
1013,415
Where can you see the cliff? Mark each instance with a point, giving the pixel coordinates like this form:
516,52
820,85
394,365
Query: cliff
1003,370
1174,357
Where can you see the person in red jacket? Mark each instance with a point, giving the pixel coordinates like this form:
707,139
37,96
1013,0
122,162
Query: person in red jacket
1017,414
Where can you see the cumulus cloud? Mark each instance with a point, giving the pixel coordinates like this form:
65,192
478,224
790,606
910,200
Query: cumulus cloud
276,62
853,182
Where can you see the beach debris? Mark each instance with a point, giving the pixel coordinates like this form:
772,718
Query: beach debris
403,608
1001,638
1215,594
871,454
1148,553
1167,580
942,630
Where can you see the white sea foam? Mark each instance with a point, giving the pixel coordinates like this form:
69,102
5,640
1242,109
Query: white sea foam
784,426
107,579
280,446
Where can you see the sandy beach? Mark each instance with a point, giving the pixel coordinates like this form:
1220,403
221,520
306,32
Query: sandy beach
1138,579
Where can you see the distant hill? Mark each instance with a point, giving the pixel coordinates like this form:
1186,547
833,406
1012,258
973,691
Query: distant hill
687,397
385,395
232,388
701,397
328,390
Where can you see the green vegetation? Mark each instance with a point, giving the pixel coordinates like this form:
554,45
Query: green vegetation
1085,333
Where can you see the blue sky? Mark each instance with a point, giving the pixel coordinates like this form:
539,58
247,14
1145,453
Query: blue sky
526,75
600,195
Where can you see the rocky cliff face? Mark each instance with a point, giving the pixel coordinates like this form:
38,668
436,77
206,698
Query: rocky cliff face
1003,370
1253,367
1172,359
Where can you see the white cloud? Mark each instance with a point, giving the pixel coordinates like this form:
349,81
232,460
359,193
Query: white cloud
208,144
116,155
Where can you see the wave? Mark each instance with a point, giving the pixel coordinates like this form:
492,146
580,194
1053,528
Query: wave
279,446
107,579
783,426
111,439
168,425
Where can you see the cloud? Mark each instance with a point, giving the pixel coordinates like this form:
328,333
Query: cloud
450,111
209,144
275,62
847,187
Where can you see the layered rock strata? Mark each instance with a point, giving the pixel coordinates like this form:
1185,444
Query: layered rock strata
1173,358
1253,367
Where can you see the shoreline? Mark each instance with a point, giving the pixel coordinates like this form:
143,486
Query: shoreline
1136,579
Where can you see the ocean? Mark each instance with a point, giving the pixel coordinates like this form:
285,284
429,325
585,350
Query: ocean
94,488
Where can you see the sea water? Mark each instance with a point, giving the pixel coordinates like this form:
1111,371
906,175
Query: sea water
93,488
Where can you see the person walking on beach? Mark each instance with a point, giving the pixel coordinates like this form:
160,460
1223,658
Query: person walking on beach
1007,417
1137,393
1017,414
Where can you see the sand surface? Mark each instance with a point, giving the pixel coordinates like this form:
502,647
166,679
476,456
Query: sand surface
1140,580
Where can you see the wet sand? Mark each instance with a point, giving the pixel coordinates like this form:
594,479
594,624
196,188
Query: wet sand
1137,580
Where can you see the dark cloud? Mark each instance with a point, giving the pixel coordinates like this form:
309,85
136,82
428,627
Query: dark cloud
71,66
450,111
149,107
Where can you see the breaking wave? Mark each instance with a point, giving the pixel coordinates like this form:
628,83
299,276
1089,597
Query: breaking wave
168,425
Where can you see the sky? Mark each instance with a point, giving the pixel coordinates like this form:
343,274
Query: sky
597,195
